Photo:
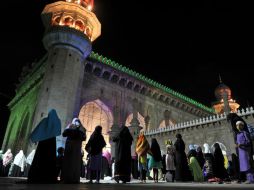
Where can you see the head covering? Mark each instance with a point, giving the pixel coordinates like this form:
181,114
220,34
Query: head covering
207,148
7,157
30,157
234,118
199,149
142,146
155,149
178,136
48,127
20,160
76,121
107,155
191,147
192,153
239,123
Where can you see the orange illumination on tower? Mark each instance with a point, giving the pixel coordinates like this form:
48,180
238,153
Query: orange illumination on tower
76,14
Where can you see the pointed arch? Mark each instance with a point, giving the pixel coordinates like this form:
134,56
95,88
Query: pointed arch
22,135
95,113
141,120
7,143
163,123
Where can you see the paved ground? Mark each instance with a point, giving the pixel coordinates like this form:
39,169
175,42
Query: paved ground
11,184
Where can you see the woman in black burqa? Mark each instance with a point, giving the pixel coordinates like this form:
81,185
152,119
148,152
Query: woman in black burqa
94,148
182,169
75,134
123,155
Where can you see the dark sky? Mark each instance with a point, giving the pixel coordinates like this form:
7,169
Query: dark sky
184,45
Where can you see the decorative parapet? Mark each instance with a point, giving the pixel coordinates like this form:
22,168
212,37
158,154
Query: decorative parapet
149,81
201,121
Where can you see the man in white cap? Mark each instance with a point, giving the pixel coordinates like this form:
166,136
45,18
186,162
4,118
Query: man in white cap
243,143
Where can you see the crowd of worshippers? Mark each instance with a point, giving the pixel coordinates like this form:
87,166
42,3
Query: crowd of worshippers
47,164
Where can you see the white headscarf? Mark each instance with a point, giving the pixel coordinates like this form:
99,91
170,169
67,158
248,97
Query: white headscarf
20,160
207,148
76,121
7,157
191,147
30,157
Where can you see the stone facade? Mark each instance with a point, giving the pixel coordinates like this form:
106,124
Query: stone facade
209,130
79,83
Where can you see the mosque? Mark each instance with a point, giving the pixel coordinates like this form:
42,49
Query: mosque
77,82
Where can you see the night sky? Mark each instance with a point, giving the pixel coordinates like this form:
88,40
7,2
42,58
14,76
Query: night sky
184,45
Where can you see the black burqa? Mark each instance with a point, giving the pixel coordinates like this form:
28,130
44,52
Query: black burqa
123,155
43,167
219,170
183,172
155,150
75,134
200,157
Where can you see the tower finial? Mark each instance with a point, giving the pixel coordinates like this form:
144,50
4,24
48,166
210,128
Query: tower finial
220,79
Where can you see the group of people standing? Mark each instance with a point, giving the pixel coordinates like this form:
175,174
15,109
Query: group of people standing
44,166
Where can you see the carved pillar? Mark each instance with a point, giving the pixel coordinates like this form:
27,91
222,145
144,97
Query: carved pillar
114,129
134,128
167,117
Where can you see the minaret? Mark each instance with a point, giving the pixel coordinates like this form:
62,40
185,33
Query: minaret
70,27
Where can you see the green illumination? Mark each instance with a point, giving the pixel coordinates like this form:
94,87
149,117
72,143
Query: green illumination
139,76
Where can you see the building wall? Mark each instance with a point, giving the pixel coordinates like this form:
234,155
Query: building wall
20,121
113,94
205,130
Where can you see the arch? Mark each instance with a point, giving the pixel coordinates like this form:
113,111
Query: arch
163,123
68,21
106,75
8,135
122,81
115,78
88,31
56,20
141,120
21,138
88,68
95,113
136,88
130,84
79,25
97,71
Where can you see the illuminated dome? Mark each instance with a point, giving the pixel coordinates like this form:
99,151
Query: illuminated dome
220,89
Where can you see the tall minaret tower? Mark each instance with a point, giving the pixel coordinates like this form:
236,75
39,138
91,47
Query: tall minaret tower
70,28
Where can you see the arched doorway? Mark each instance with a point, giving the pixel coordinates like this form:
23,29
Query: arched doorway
9,144
96,113
22,140
141,120
163,123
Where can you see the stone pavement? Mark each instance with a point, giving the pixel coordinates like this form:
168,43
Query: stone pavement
11,184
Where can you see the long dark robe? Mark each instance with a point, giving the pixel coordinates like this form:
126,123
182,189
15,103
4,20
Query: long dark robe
72,153
182,169
123,155
200,158
43,168
219,169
